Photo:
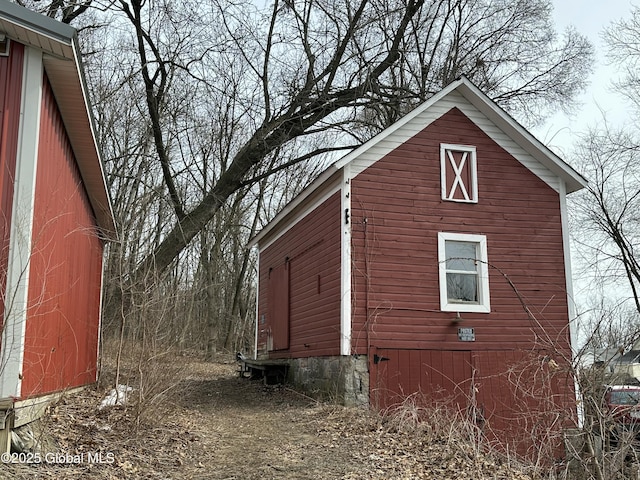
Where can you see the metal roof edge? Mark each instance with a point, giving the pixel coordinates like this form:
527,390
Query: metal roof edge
37,22
69,75
107,210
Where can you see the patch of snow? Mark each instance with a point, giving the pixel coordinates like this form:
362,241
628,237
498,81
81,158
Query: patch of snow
117,396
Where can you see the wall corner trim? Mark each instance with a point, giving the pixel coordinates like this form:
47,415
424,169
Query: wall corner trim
17,287
345,264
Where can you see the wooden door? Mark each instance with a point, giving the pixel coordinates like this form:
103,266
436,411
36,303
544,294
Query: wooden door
428,376
278,306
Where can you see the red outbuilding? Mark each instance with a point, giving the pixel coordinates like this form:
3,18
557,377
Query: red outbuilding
56,215
431,263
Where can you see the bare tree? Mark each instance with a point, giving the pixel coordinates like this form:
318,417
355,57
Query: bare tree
608,210
212,115
310,67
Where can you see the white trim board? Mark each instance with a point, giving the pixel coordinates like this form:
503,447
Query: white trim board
345,264
481,110
17,288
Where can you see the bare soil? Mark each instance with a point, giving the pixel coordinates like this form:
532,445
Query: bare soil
220,426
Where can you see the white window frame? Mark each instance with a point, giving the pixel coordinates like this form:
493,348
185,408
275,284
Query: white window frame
445,159
483,305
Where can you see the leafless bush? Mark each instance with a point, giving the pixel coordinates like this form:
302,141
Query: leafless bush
155,374
440,422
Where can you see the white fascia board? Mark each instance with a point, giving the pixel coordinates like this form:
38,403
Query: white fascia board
522,136
36,30
398,125
495,114
94,169
63,64
20,241
255,340
102,275
323,181
564,218
345,263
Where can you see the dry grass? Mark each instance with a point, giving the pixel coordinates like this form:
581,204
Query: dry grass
215,425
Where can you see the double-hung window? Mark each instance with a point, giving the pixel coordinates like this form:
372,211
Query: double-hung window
463,271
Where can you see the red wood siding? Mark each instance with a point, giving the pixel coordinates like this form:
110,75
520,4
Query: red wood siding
523,397
439,377
515,397
311,249
65,272
278,306
397,212
11,69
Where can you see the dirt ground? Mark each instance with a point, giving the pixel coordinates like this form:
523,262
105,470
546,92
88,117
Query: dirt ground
221,426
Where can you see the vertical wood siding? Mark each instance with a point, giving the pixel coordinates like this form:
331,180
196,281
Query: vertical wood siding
436,376
311,249
11,69
65,271
523,398
516,398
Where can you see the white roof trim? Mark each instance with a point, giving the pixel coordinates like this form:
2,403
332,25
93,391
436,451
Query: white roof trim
494,113
62,63
521,136
317,184
396,126
573,180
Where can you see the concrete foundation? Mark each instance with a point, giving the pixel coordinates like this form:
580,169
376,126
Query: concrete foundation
341,379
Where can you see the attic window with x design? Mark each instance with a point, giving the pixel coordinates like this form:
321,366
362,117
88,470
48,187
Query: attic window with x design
458,173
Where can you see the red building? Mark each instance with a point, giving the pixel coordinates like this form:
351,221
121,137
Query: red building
56,214
433,260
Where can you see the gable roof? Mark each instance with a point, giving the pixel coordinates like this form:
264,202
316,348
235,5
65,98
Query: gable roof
62,63
632,356
479,108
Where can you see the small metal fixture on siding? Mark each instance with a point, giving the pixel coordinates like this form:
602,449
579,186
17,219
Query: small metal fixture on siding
457,318
377,359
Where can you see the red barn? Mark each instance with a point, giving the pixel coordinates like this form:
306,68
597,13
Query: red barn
431,262
55,214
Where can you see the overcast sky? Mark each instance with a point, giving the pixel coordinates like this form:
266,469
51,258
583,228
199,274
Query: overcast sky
589,17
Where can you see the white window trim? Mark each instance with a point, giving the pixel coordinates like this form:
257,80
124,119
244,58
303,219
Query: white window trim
484,305
471,159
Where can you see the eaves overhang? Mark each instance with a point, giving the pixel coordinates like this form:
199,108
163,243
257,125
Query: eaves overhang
528,142
63,66
325,179
573,180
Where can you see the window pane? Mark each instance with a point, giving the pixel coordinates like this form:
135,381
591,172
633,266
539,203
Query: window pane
460,256
462,288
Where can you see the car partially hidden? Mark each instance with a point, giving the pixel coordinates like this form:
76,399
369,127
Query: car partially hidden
622,403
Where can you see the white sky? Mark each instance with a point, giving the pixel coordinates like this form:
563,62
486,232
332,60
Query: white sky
560,132
589,17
